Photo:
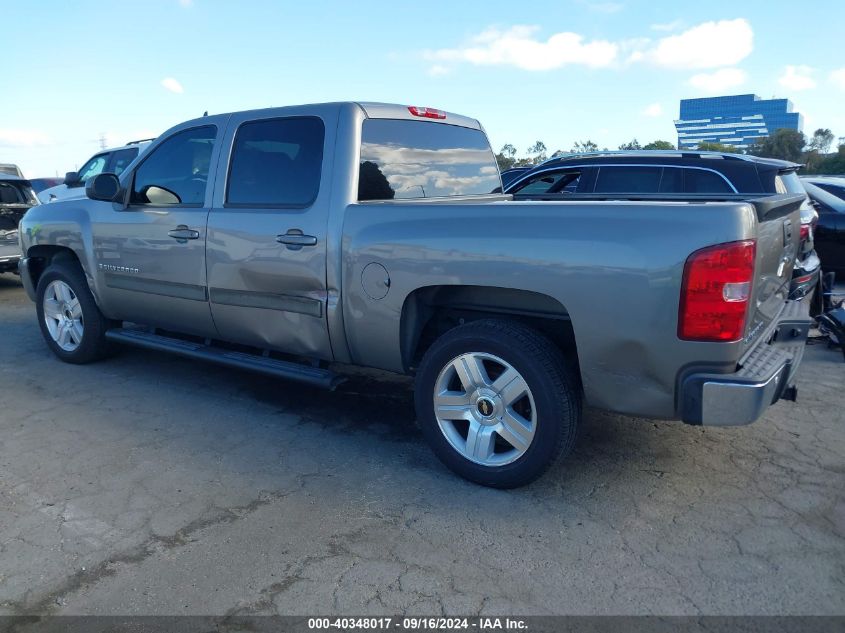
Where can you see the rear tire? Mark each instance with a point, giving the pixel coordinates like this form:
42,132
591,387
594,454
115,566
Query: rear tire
497,403
70,320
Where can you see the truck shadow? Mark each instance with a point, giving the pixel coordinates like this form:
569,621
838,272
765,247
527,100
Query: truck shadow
382,406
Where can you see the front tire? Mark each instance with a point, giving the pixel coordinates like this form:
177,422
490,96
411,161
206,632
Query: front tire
497,403
70,320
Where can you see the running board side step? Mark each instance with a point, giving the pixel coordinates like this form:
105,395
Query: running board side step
239,360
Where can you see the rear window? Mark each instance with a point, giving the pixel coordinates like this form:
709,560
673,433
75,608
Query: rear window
789,182
421,159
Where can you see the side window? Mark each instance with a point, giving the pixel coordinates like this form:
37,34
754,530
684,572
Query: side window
176,172
672,180
628,179
551,182
276,162
94,166
700,181
120,159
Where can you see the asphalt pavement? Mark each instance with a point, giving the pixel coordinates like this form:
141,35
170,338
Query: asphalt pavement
147,484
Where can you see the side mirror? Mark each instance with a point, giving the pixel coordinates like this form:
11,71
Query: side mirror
72,178
103,187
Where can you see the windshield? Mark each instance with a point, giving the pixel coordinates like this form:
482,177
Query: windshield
419,159
94,166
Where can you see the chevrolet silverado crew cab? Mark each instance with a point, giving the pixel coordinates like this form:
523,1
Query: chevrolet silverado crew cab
286,239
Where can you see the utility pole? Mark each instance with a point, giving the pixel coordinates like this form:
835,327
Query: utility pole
102,141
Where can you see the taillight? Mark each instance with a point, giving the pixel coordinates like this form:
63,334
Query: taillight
805,232
427,113
715,292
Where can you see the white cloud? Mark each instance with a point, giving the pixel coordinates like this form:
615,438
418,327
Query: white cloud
438,70
797,78
10,137
837,77
186,4
172,85
653,110
707,45
722,79
674,25
518,47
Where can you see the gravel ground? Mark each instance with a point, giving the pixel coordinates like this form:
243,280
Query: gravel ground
147,484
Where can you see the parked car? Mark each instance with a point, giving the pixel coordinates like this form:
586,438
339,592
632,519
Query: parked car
16,198
40,184
509,175
828,196
281,240
10,170
634,173
110,160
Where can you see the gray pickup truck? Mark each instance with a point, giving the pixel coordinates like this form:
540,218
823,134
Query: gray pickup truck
286,239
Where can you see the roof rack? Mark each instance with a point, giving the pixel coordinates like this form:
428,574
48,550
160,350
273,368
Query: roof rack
143,140
684,153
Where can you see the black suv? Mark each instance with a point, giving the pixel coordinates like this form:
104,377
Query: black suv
626,174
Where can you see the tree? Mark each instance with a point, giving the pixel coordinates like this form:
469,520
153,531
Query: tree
581,147
631,145
506,158
539,151
659,145
832,163
709,146
821,141
785,144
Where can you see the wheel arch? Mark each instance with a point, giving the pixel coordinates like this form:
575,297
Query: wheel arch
431,311
41,256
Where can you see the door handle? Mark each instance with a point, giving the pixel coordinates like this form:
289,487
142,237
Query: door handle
295,240
182,232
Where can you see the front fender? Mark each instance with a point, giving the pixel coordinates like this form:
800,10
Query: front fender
62,225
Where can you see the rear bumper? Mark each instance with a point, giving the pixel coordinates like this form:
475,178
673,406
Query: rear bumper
765,376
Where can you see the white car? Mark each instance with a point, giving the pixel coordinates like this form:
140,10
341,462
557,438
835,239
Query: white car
109,160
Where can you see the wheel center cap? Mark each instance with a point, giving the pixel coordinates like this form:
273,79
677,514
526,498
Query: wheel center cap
485,407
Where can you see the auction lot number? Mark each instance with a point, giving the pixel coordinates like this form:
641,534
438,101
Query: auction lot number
411,624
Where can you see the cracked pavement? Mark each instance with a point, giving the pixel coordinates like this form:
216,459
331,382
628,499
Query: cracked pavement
148,484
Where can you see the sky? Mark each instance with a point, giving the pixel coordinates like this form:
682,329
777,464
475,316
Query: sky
559,71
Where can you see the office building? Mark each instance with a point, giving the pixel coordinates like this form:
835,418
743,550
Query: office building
737,120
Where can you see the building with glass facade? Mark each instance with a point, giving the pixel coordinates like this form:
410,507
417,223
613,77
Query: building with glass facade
736,120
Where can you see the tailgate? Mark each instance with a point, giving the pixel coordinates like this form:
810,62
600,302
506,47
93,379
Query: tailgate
778,240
